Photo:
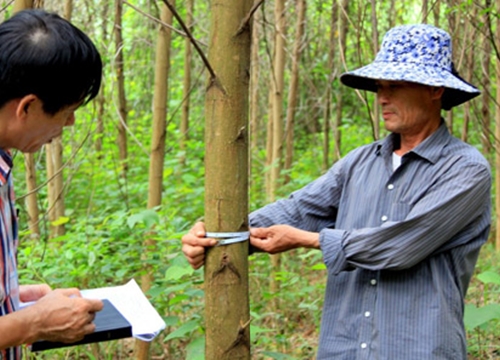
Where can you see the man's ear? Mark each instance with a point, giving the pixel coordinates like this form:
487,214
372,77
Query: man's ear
24,104
437,92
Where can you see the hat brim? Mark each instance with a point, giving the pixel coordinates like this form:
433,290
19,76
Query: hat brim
457,90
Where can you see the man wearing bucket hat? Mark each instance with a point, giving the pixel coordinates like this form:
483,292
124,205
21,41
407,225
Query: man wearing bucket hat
400,222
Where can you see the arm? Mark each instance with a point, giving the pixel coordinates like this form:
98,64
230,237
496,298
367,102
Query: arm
61,315
279,238
307,210
452,212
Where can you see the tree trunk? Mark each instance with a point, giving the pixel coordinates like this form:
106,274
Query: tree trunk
277,97
328,91
376,120
425,11
277,87
497,137
22,4
29,163
120,85
254,84
157,156
226,183
294,85
184,126
453,20
101,99
343,26
436,10
486,88
31,198
468,70
54,165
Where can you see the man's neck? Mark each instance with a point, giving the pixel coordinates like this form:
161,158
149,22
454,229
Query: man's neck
411,140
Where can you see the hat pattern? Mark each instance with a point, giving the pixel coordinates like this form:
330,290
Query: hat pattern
416,53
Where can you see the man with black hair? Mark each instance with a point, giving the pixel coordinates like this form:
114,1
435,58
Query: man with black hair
48,69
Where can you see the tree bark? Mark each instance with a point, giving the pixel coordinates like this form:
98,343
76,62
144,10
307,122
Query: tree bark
120,85
376,120
497,137
30,172
328,91
254,84
226,182
101,99
54,164
471,39
343,26
277,86
294,85
486,88
157,156
425,11
184,126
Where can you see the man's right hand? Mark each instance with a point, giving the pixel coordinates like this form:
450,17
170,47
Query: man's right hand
194,244
63,315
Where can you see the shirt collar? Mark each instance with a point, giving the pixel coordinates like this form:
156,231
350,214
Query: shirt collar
430,149
5,166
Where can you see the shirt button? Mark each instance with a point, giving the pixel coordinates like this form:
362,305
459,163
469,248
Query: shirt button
364,345
373,282
384,218
390,186
367,314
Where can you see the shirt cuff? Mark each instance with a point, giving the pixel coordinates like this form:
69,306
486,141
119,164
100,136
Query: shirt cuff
330,241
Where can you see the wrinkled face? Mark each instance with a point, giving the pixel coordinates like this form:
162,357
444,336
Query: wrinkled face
40,128
406,107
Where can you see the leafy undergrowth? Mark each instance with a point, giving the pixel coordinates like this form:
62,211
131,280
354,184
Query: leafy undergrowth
288,332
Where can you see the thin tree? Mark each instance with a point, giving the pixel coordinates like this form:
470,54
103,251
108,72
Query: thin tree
294,85
328,90
29,162
497,137
276,98
101,99
157,156
277,89
120,85
184,126
374,21
486,87
425,11
342,29
254,85
54,166
470,40
226,179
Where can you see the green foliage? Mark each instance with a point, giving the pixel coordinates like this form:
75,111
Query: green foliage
107,219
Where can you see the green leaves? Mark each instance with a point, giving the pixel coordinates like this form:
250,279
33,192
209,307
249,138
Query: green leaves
148,218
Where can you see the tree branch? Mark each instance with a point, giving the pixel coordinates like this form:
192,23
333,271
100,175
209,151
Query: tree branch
246,21
193,41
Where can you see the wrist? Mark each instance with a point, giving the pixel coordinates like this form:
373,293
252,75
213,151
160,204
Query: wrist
311,240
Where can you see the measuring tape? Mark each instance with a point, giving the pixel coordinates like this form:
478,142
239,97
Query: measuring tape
227,238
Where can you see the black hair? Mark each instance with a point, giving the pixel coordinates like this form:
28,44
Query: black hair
43,54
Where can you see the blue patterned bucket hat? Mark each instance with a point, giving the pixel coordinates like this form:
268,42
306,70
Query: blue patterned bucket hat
415,53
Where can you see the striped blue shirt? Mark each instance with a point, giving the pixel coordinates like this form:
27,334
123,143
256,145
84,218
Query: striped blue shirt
9,289
400,246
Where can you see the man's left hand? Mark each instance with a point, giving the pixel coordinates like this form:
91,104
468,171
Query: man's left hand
280,238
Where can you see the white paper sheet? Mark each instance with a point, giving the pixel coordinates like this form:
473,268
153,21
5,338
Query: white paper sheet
131,302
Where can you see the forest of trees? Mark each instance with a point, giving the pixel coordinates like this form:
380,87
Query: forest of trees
110,200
